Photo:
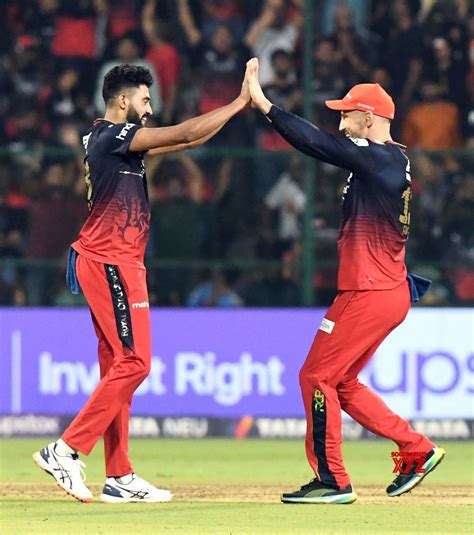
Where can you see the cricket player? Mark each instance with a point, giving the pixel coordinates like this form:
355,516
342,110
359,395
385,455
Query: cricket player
374,289
107,262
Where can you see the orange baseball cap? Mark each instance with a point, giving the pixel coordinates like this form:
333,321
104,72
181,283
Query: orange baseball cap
366,97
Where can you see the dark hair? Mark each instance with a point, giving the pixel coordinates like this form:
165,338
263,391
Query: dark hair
280,52
124,77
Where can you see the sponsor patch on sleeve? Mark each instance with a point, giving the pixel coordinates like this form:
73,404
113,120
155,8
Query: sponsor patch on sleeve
327,325
360,142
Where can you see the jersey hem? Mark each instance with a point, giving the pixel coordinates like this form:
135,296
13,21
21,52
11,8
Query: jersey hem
351,288
106,260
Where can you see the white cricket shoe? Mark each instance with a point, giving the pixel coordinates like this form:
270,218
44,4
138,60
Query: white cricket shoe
132,488
67,470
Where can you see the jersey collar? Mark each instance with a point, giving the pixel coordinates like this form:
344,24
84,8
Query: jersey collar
388,142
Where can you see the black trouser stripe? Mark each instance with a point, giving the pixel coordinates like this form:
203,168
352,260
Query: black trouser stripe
121,308
318,409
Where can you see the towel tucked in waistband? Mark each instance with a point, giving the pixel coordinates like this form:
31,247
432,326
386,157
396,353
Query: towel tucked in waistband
71,275
418,286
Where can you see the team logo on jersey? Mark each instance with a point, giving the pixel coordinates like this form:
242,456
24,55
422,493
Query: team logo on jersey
319,401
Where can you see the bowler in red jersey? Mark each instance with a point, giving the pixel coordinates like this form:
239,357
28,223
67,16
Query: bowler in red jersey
374,288
106,262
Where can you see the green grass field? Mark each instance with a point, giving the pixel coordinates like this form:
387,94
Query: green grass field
232,487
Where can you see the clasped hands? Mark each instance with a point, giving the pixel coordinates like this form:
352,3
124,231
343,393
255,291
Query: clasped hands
251,90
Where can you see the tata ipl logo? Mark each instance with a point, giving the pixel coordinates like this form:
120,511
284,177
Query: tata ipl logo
406,461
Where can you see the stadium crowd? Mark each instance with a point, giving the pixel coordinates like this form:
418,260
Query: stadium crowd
241,197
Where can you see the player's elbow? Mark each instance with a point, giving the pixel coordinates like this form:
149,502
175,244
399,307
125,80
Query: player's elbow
191,134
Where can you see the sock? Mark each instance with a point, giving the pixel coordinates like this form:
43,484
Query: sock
125,480
61,448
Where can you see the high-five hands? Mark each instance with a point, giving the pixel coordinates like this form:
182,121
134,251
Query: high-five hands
258,98
245,91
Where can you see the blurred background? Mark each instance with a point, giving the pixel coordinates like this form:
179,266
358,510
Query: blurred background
244,221
241,222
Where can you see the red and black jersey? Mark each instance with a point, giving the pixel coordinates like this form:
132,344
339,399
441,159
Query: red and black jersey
376,201
116,231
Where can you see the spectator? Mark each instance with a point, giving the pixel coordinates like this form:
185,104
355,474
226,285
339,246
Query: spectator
458,228
204,17
218,65
122,18
127,51
234,195
37,19
328,83
422,130
271,288
335,12
214,291
402,55
25,74
175,219
66,100
429,202
174,235
284,91
76,28
354,54
55,217
12,225
164,56
458,214
271,32
288,199
380,76
447,71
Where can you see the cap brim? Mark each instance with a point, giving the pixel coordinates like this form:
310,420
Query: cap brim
339,105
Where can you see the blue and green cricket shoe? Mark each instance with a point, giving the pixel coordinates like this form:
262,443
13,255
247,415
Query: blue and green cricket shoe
405,482
316,492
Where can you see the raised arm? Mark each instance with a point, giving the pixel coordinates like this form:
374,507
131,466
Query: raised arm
184,146
264,21
305,136
148,21
193,35
192,132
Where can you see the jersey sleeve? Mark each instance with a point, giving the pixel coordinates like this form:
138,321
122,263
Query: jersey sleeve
117,137
337,150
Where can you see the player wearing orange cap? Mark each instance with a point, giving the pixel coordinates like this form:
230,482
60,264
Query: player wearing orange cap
374,288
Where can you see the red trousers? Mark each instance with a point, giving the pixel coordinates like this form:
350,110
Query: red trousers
118,300
354,326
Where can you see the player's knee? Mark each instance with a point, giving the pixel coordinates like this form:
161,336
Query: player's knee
144,368
307,374
346,389
347,384
138,367
314,377
303,375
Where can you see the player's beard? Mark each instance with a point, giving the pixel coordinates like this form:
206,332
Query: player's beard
134,117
